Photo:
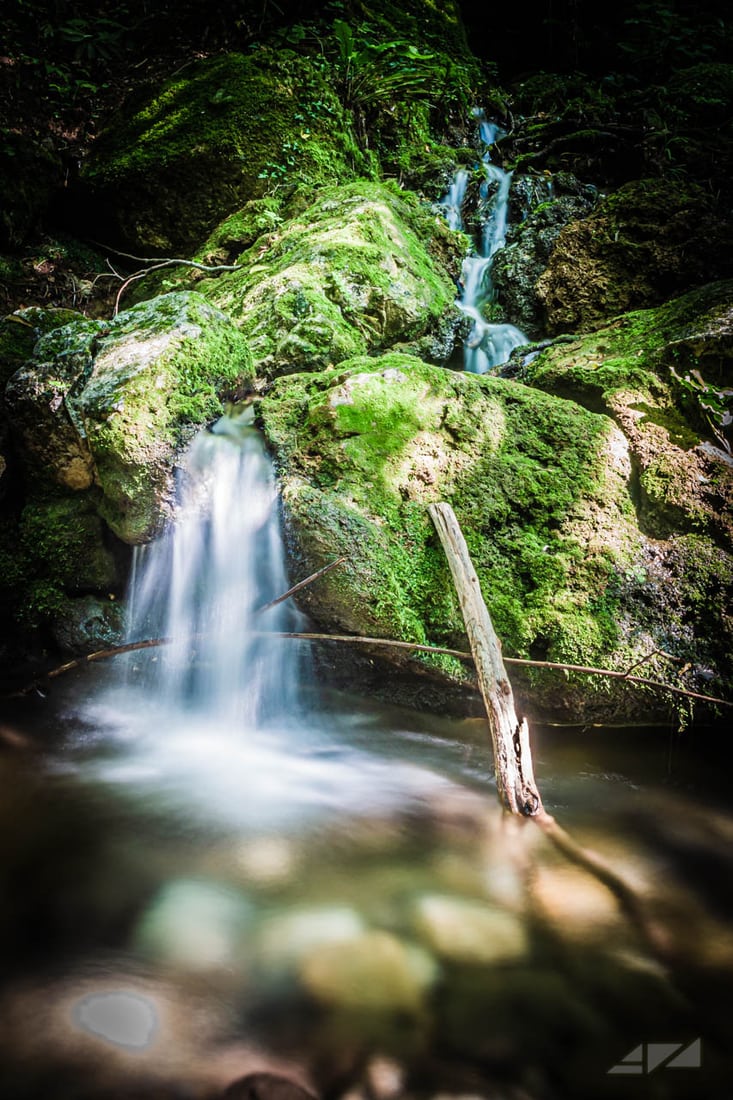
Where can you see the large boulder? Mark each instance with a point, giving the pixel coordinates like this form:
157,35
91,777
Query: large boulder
216,134
108,404
362,269
544,491
647,241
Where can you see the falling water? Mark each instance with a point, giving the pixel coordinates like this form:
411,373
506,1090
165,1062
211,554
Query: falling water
202,585
487,345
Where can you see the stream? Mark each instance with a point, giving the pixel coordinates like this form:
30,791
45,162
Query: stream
215,866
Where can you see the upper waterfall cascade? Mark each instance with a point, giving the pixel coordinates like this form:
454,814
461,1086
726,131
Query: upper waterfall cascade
487,345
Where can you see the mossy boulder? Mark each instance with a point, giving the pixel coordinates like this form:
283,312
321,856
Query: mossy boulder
642,244
215,135
107,406
540,487
666,377
363,268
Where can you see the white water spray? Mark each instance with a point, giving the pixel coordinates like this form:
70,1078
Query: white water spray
201,586
487,345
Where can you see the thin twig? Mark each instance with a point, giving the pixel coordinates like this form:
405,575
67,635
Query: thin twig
463,655
301,584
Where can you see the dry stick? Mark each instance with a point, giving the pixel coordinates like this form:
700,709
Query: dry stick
301,584
509,732
358,639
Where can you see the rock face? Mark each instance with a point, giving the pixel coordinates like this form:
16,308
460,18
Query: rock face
99,412
215,135
644,243
362,269
530,241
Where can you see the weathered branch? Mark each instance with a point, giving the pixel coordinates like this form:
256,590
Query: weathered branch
392,643
509,732
301,584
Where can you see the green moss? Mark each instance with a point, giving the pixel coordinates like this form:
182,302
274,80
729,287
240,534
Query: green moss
362,268
56,547
224,131
364,448
20,331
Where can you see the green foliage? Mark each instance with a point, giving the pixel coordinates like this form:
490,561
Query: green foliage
373,76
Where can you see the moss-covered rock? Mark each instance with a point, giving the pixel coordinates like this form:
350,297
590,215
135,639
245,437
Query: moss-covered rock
362,269
665,375
217,134
108,405
645,242
530,241
539,487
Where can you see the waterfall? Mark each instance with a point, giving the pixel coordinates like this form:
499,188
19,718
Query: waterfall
202,583
487,345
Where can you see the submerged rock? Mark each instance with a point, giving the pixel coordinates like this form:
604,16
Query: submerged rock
459,930
374,972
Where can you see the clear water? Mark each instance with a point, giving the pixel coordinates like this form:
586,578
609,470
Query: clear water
204,875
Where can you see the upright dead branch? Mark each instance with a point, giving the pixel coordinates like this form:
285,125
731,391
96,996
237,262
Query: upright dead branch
509,732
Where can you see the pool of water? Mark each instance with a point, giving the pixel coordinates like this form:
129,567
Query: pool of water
185,902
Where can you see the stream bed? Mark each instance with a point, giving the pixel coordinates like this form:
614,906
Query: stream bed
345,906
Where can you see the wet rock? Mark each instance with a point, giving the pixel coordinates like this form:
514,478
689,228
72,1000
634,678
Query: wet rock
265,1086
647,241
86,623
109,404
463,931
374,972
518,266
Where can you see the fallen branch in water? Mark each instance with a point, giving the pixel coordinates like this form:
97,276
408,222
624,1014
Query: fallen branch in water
358,639
509,730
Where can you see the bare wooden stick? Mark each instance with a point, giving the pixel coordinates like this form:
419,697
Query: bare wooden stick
359,639
301,584
509,732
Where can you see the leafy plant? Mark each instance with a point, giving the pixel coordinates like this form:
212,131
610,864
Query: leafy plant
374,75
